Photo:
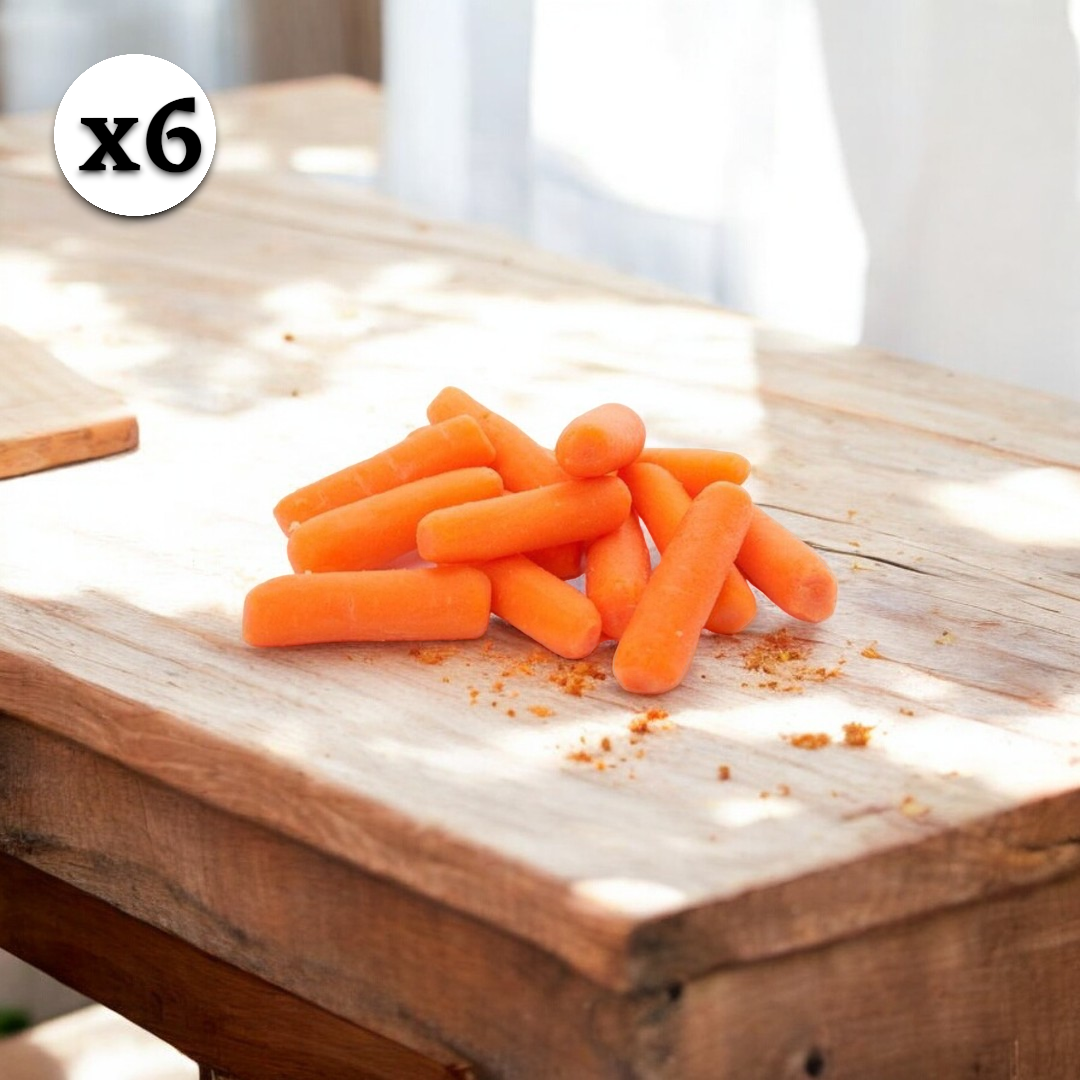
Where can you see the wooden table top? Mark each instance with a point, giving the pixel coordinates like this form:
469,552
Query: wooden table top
286,321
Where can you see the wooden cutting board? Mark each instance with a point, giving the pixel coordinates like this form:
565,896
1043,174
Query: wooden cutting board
49,415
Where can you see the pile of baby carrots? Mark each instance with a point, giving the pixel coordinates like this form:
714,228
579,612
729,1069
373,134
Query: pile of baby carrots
495,523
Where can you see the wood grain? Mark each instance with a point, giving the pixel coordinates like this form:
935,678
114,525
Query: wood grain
984,989
389,960
282,325
51,416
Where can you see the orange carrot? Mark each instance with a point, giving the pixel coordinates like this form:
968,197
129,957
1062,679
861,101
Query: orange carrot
659,499
694,468
524,521
457,443
662,502
616,570
735,607
543,606
433,604
600,441
658,646
521,461
562,560
370,533
788,571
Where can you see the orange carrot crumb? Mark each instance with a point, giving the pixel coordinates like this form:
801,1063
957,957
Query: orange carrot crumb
428,655
809,740
907,712
773,650
605,744
723,772
642,723
576,678
780,655
870,652
541,710
856,734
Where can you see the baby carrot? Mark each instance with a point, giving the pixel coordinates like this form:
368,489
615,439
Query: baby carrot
524,521
658,646
788,571
600,441
432,604
735,607
456,443
695,468
659,499
662,502
562,560
521,461
616,569
543,606
371,532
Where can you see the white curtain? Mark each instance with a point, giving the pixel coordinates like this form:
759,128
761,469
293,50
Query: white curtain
904,173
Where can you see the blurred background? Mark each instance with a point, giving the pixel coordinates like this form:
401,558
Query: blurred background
46,44
904,175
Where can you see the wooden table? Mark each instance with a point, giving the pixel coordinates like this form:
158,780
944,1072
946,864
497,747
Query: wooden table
378,861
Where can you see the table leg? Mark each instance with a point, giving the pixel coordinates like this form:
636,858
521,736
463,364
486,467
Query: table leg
206,1008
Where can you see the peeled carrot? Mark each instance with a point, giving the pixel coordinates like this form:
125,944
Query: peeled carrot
617,569
433,604
372,532
562,560
695,468
456,443
524,520
543,606
735,607
659,499
600,441
787,570
521,461
662,502
658,646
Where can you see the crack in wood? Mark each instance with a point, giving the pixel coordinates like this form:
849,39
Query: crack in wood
861,554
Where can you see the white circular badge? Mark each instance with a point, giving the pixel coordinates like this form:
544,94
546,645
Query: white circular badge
134,135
